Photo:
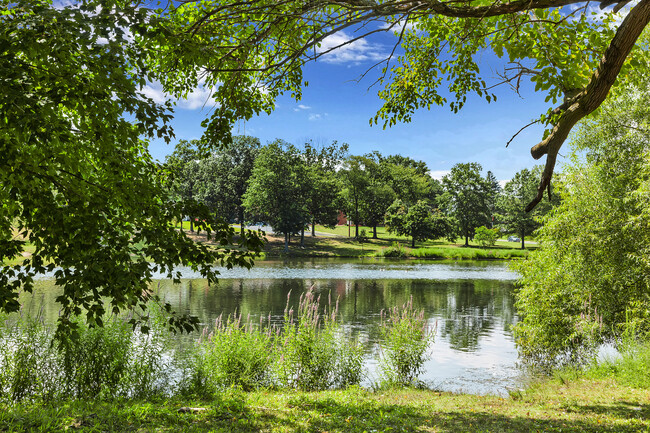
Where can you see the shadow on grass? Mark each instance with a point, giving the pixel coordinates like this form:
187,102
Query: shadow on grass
313,413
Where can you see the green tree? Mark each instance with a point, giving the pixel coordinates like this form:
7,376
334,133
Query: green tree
511,204
356,182
252,52
485,236
276,189
183,164
589,280
77,181
323,186
494,191
418,221
224,178
466,198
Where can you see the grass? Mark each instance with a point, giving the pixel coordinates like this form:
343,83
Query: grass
338,244
552,406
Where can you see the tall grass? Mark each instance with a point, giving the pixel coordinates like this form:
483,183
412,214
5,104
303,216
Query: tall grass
108,362
309,350
406,338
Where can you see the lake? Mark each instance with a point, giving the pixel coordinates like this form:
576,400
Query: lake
469,303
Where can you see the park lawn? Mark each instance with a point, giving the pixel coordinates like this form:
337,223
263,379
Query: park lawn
579,405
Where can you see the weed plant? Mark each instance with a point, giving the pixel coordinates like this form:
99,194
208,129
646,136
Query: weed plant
235,354
395,250
405,339
102,362
312,355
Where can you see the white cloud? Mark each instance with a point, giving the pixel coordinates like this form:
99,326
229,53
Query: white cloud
399,26
345,51
198,98
439,174
314,116
301,107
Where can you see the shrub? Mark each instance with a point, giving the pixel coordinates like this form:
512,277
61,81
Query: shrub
235,354
405,340
395,250
486,237
308,348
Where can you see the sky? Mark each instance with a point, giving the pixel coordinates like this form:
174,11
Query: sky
336,107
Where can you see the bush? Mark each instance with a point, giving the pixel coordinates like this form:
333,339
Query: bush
406,337
311,356
486,237
102,362
234,354
395,250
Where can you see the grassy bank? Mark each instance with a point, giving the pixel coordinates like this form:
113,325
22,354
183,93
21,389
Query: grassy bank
577,406
336,243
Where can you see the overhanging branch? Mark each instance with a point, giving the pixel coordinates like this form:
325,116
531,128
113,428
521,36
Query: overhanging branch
593,94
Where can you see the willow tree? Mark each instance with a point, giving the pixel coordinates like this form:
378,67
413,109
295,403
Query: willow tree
253,51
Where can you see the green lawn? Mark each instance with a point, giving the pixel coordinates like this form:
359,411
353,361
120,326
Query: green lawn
576,406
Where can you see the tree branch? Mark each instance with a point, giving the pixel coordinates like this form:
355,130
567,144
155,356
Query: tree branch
594,93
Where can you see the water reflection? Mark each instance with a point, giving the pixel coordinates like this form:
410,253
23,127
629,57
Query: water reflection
471,304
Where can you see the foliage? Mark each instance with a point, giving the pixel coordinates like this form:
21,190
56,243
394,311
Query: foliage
102,363
418,221
77,180
406,337
223,178
486,237
311,356
253,52
511,205
466,198
235,354
277,189
323,186
395,250
588,281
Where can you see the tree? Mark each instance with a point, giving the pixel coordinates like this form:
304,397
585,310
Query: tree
356,182
185,180
494,191
589,280
485,236
466,197
251,52
224,178
276,189
323,185
418,221
409,185
511,204
77,181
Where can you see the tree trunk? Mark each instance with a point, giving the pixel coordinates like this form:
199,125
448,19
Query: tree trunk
356,230
466,240
302,238
522,241
286,242
191,225
241,222
412,241
374,232
313,228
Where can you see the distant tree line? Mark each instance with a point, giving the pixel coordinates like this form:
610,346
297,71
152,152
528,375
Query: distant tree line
292,188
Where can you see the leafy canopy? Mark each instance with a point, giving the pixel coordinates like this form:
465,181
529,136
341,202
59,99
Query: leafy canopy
253,51
589,280
77,183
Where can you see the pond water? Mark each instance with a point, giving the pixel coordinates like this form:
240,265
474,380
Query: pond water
469,303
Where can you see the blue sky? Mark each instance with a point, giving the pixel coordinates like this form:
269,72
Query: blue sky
337,107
